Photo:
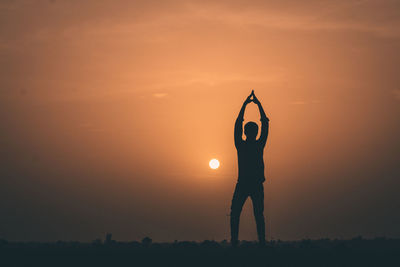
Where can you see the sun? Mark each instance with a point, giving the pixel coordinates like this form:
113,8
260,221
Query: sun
214,164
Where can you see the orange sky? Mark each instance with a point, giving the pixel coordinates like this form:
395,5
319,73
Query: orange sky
111,110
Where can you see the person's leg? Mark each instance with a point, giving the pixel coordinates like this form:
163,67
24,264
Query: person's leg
257,197
239,197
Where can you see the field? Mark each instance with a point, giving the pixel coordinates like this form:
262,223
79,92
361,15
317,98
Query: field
324,252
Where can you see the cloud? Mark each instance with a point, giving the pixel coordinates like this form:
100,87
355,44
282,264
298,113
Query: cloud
300,102
95,17
377,18
160,95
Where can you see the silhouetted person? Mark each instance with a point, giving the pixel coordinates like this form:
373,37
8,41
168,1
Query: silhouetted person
251,170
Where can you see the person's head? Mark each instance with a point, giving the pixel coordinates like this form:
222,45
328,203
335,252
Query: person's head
251,130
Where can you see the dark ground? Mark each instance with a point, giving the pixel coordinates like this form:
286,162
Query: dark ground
324,252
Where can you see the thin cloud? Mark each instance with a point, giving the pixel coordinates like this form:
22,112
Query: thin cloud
300,102
160,95
334,18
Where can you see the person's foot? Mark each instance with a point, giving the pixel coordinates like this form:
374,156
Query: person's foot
234,243
261,243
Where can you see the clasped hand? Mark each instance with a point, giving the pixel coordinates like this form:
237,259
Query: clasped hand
249,100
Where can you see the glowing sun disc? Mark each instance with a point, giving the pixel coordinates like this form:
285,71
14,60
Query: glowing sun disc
214,164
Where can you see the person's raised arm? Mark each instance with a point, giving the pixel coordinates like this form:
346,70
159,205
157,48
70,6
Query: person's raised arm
239,122
264,121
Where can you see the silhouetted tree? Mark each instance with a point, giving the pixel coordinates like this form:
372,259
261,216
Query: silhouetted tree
97,242
108,240
146,242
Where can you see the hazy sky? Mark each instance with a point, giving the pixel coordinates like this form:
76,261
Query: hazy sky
111,110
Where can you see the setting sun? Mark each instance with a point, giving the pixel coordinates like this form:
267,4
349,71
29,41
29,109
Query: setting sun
214,164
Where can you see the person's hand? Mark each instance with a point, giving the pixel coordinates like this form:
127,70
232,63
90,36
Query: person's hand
255,99
248,99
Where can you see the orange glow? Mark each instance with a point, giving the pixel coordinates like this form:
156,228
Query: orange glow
123,102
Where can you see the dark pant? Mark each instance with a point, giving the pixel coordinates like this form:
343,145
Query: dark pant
256,193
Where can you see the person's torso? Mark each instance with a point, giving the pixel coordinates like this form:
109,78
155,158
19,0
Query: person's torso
250,162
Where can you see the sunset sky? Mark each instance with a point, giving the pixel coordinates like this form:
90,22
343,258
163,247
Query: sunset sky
110,112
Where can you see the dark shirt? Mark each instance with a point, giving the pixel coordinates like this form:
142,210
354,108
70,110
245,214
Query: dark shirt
250,154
